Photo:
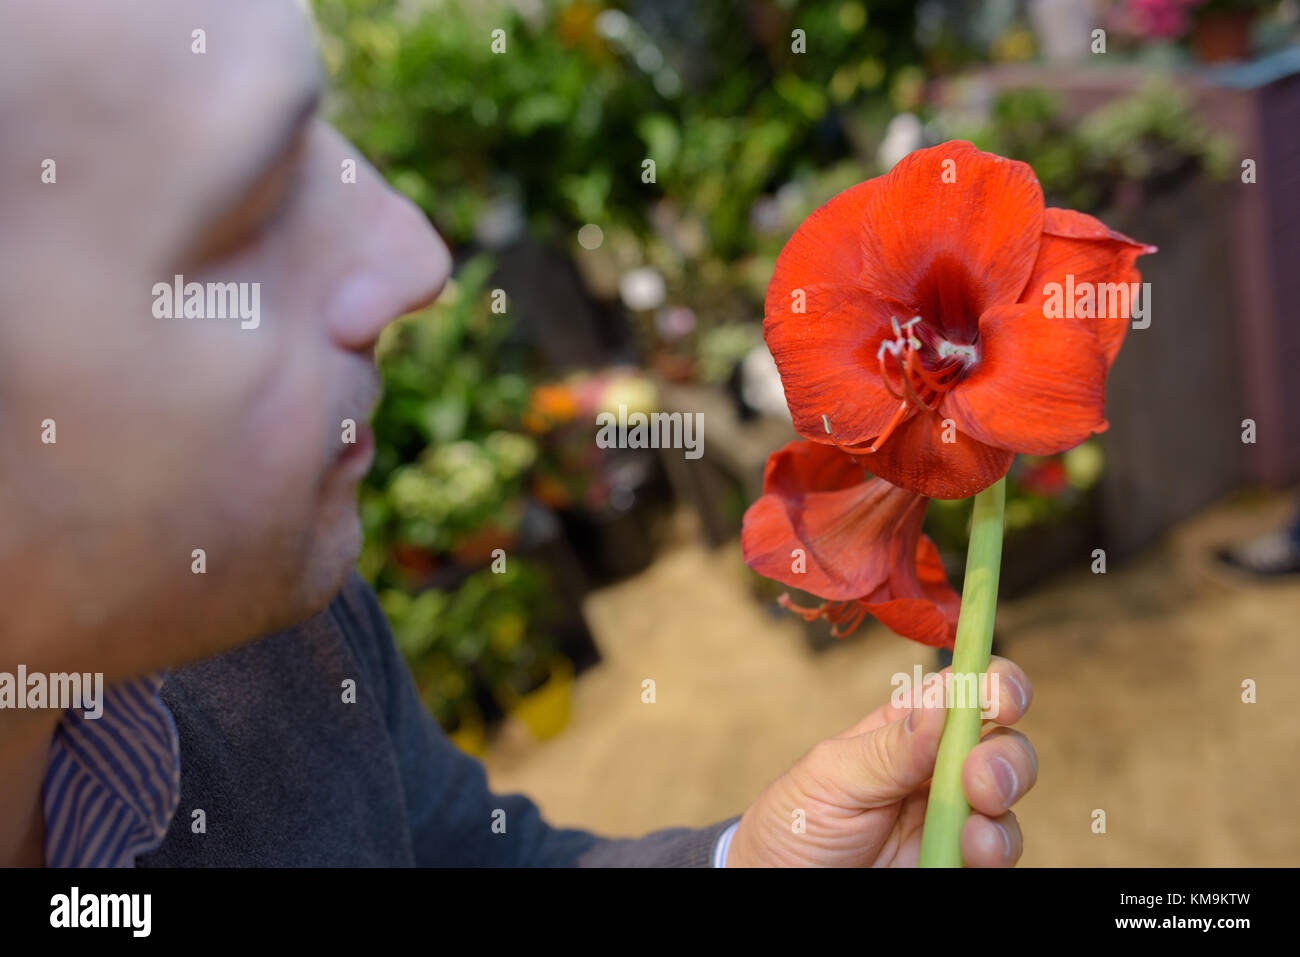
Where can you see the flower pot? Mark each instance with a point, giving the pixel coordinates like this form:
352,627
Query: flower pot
1223,36
470,735
545,709
619,538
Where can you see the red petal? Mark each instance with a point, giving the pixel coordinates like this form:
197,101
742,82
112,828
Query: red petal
953,232
900,245
1077,244
827,353
1039,386
915,618
916,458
800,467
925,609
882,528
933,578
852,538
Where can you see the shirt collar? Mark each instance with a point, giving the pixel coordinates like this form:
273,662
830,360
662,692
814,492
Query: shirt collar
113,782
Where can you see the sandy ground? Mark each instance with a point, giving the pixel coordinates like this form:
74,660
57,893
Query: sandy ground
1137,705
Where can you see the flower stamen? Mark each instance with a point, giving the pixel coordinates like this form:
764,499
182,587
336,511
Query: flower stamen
909,368
918,388
884,374
899,414
844,616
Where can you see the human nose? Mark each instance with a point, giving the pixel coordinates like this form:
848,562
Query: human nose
399,263
410,276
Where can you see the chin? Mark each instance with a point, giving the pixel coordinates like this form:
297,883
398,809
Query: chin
329,560
288,572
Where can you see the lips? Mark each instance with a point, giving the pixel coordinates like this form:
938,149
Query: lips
354,458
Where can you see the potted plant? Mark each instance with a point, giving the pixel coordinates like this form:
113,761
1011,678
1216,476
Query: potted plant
484,648
1221,29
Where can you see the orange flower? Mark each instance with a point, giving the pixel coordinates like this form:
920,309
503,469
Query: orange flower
823,525
907,318
550,405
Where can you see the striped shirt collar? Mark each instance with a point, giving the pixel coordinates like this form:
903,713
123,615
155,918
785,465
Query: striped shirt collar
113,782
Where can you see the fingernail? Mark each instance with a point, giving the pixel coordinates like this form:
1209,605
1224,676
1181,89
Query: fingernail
913,720
1018,690
1006,841
1004,778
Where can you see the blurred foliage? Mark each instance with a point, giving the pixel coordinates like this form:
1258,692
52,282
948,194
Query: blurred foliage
1150,136
1153,133
584,93
450,454
451,462
452,490
723,347
481,637
1041,490
561,124
957,34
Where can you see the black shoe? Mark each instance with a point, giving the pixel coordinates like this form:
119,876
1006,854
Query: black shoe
1266,557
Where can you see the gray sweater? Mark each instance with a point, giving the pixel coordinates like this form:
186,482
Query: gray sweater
288,774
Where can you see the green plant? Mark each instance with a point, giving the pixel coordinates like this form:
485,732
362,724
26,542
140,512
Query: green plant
452,490
1152,133
490,634
583,94
1147,136
560,125
1041,491
449,452
722,348
450,460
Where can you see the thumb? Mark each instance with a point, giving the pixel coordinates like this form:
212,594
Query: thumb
884,765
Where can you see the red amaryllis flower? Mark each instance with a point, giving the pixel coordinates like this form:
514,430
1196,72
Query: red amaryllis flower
907,319
823,525
1048,479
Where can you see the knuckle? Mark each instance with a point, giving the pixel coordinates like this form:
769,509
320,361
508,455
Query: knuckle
879,756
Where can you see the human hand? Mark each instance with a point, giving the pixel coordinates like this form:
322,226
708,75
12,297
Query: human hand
863,792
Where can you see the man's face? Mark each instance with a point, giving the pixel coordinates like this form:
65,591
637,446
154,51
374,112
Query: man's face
177,434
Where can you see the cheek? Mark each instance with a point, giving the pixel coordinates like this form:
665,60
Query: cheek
277,447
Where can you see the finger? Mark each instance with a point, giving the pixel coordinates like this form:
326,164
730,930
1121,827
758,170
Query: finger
880,767
991,842
1009,691
998,771
898,706
1006,691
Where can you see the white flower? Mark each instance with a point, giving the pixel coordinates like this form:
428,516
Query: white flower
760,384
902,135
642,289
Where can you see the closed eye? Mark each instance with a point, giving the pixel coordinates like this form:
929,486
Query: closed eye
260,208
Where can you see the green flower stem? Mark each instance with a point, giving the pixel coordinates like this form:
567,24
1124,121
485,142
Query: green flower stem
947,809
